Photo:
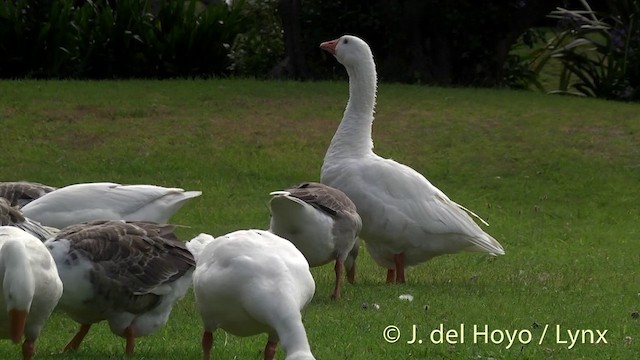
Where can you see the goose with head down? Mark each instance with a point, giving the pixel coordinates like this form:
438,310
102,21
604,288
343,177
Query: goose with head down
128,273
250,282
322,222
405,219
84,202
30,288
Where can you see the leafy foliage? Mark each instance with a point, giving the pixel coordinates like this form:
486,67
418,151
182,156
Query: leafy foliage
126,38
440,41
457,42
600,52
256,51
519,72
327,20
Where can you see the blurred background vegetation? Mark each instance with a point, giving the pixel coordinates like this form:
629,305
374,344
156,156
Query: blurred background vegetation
590,48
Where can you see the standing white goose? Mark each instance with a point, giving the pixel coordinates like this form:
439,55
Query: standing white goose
322,222
405,219
128,273
20,193
11,216
250,282
78,203
30,288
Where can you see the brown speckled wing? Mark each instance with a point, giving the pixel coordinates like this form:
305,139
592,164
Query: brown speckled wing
323,197
130,260
9,215
20,193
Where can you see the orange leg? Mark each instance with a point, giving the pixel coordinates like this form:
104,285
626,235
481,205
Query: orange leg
207,343
399,260
338,268
131,340
391,275
28,348
74,344
351,274
270,350
18,319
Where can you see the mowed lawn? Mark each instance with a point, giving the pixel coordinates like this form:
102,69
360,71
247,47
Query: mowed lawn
558,179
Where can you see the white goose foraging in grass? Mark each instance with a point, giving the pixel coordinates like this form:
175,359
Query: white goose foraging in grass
78,203
322,222
405,219
250,282
128,273
20,193
12,216
30,288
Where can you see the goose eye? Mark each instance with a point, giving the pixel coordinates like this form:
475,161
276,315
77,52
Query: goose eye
345,41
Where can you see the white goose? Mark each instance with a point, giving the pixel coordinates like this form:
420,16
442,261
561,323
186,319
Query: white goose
20,193
128,273
250,282
322,222
405,219
78,203
11,216
30,287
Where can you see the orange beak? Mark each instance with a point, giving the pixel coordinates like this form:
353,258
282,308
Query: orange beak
18,318
330,46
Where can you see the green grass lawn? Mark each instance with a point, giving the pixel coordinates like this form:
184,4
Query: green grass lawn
557,177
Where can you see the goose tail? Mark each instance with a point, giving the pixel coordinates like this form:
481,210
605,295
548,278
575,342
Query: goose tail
488,244
191,194
198,243
474,215
280,193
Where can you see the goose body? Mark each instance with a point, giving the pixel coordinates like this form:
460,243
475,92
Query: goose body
128,273
322,222
20,193
250,282
405,219
78,203
12,216
30,288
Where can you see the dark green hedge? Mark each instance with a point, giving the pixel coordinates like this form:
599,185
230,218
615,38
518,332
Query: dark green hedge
118,39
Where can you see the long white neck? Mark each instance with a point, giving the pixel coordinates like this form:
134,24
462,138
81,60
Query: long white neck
294,340
18,283
353,137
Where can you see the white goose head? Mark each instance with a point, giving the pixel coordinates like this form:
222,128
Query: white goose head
349,50
18,285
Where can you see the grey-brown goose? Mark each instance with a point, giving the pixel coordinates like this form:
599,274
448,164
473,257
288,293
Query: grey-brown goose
322,222
128,273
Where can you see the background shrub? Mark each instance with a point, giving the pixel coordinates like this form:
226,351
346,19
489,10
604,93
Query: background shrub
120,39
257,50
442,42
599,51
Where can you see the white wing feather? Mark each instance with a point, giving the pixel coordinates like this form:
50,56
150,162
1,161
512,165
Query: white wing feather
413,208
